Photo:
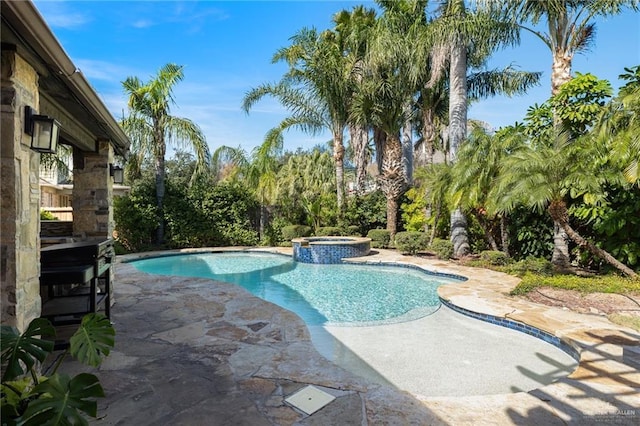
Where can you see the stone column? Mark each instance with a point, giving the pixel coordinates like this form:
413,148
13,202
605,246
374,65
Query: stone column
20,196
93,193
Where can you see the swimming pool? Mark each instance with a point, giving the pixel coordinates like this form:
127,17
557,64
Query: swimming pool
320,294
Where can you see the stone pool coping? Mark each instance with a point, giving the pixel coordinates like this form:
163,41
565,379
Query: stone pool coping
267,367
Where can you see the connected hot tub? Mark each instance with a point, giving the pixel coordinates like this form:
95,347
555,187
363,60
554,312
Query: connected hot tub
327,250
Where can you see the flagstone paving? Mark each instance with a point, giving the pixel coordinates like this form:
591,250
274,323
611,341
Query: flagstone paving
186,356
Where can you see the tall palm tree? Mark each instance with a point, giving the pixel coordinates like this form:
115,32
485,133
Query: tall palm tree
381,101
467,37
569,24
150,126
353,30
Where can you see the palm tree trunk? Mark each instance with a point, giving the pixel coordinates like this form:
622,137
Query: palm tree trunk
457,134
338,157
459,236
359,139
428,135
160,174
560,70
487,231
392,180
560,215
407,144
560,256
504,234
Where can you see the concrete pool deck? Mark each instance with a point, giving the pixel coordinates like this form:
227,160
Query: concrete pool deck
185,356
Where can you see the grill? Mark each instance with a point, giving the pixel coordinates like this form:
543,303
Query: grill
75,279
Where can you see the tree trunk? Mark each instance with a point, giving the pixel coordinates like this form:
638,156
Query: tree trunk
560,215
160,148
407,144
392,216
428,135
264,219
338,158
560,256
504,234
560,70
459,236
391,179
359,143
560,74
457,134
487,231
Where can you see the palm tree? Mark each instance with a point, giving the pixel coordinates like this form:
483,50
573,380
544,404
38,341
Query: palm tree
315,90
476,171
618,129
260,170
308,178
353,30
150,126
380,102
570,29
467,37
544,177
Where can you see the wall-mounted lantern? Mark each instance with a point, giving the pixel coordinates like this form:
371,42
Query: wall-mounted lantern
43,129
117,173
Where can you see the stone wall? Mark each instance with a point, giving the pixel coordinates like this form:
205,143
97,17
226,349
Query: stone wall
93,193
20,196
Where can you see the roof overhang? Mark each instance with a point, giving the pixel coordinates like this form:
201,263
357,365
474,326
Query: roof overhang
65,93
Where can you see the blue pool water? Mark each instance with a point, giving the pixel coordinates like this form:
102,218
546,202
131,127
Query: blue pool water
320,294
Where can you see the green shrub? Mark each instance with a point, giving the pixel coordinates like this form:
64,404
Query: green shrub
295,231
492,257
536,265
380,238
353,231
413,211
326,231
136,221
443,249
47,215
411,242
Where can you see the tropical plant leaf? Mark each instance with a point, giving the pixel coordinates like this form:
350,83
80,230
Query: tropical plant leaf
25,347
62,399
94,337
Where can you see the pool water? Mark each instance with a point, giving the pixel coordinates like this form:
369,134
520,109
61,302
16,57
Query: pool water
346,294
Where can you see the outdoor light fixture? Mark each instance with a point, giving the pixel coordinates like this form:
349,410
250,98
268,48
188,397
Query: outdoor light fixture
43,129
117,173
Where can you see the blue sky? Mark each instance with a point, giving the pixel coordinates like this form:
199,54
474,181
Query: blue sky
226,49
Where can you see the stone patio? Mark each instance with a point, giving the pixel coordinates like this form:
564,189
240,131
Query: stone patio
193,351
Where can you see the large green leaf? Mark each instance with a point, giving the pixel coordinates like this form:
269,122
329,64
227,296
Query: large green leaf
26,347
62,399
94,337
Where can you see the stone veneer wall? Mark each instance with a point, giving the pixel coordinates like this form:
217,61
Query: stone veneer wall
20,195
93,193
